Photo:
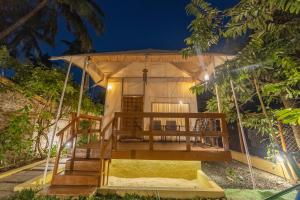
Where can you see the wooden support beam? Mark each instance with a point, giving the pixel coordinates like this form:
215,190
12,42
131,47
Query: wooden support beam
240,138
187,128
205,155
151,135
282,139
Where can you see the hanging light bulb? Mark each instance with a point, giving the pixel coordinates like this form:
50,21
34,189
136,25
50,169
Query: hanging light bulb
206,77
68,145
145,71
145,77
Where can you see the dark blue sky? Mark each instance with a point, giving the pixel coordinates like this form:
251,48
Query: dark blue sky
139,24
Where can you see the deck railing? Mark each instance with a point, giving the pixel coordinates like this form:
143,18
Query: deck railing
68,136
208,127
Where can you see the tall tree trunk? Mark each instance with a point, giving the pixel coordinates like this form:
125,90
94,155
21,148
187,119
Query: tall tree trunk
296,128
22,20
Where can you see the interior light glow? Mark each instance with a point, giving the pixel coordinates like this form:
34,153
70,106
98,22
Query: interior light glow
180,102
109,87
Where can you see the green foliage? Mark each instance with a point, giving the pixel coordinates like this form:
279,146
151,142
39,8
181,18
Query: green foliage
85,124
205,27
271,55
257,122
48,83
35,81
289,116
43,26
198,89
15,139
4,56
32,195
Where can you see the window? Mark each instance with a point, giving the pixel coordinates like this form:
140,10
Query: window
171,107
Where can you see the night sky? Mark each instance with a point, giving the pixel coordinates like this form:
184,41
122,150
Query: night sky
139,24
136,24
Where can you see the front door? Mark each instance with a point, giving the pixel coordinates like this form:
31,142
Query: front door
132,104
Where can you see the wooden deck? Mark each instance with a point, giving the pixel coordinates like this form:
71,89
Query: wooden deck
169,151
201,137
161,151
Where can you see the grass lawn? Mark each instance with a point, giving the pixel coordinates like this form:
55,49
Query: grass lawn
231,194
244,194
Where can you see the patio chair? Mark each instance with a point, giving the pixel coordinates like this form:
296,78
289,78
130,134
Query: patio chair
171,125
156,126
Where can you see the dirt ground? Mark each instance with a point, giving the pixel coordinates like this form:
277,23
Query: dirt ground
236,175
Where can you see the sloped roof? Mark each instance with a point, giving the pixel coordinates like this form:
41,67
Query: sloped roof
103,65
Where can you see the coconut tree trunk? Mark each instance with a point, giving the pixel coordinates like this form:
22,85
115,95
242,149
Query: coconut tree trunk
295,128
22,20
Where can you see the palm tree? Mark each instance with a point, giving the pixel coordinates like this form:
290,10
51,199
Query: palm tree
24,16
8,6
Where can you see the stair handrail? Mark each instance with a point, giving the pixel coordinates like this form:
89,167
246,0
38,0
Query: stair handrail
73,124
103,146
66,127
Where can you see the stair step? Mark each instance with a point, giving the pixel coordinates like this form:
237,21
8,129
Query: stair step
82,178
81,153
78,172
89,146
67,191
82,164
94,153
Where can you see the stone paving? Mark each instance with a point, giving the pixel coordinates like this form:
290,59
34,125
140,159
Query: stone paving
7,184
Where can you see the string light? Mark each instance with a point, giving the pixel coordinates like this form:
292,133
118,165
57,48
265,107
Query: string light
279,158
206,77
68,145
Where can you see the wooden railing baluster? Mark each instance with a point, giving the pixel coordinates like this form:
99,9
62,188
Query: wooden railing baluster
55,168
187,138
224,134
151,136
211,132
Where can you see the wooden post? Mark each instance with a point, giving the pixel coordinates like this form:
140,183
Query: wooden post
107,173
216,88
151,135
100,126
73,117
283,143
100,171
210,125
76,122
88,151
224,134
240,138
114,135
187,137
243,134
58,155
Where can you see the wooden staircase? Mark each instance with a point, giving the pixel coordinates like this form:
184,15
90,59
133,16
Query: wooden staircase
87,166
